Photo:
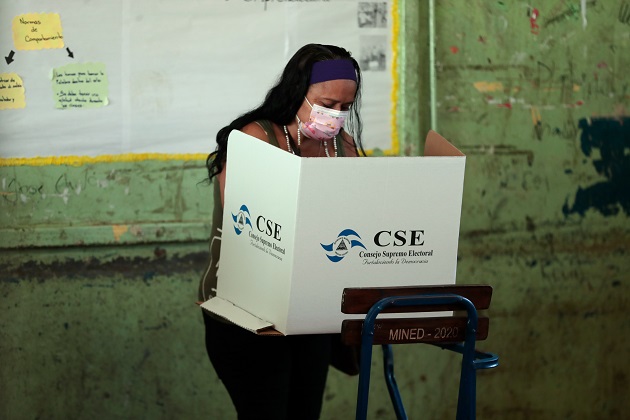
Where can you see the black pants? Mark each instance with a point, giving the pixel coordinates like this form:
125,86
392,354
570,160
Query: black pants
272,378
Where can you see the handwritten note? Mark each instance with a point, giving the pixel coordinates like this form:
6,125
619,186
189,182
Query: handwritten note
36,31
11,91
81,85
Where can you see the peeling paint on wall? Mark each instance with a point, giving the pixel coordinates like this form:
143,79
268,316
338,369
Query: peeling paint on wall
119,230
611,136
533,17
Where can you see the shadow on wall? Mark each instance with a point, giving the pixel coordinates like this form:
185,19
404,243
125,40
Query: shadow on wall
612,137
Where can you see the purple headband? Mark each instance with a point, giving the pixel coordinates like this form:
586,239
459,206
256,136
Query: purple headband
333,70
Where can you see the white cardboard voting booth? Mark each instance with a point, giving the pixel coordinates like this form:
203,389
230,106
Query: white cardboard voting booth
297,231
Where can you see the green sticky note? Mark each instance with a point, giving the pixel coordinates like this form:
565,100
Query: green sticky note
80,85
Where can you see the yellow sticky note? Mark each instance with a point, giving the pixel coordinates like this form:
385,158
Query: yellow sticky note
11,91
484,87
36,31
80,85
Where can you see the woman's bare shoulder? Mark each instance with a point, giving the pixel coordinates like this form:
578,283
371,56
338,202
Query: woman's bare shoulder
256,130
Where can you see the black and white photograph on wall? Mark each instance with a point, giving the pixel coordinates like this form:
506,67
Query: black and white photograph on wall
373,55
372,14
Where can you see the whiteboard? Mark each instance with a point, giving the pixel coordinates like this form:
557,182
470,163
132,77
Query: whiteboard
178,71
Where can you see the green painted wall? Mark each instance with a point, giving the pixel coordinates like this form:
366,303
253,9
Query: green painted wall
99,263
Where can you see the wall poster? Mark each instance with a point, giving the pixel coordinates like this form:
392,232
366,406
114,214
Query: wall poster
137,76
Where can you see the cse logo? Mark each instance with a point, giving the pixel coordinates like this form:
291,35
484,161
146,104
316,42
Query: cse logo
339,248
243,218
400,238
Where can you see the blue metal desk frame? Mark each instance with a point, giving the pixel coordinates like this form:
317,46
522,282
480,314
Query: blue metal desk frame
471,359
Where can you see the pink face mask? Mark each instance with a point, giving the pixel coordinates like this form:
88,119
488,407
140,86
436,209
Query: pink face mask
324,123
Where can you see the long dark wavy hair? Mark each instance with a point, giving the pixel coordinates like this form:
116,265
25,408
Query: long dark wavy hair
285,98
